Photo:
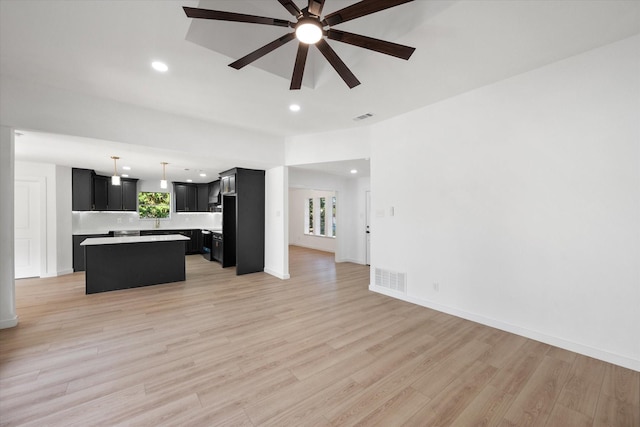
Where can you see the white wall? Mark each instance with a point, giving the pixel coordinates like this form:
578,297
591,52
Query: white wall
328,147
8,317
64,239
56,242
298,200
49,109
276,253
522,200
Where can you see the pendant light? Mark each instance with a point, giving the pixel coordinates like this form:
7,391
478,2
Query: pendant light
115,179
163,181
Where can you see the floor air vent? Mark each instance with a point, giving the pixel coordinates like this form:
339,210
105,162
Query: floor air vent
391,280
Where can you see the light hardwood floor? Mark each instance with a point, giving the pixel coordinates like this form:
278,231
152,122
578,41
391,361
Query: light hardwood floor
318,349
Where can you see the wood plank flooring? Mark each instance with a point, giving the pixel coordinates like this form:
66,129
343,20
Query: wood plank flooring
316,350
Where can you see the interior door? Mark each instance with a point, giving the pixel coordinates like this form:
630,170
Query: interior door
27,228
367,215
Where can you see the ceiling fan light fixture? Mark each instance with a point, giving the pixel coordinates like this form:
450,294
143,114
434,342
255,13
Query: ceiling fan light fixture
308,31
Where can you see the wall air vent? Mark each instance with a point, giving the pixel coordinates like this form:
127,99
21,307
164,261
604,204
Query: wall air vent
391,280
363,117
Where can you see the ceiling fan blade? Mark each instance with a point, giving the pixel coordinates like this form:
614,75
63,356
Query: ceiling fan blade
388,48
337,64
315,7
193,12
291,7
259,53
362,8
298,69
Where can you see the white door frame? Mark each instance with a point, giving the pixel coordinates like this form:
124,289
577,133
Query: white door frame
367,223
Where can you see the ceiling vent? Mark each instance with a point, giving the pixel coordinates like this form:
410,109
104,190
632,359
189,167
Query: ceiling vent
363,117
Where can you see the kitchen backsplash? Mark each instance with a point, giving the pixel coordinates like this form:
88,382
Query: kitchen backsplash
99,222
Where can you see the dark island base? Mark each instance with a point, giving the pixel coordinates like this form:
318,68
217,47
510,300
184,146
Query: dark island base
131,265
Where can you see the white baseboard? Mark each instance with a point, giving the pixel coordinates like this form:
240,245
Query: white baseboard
57,273
9,323
65,272
277,274
596,353
352,260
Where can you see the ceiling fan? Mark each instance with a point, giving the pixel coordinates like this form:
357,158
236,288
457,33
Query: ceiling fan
310,29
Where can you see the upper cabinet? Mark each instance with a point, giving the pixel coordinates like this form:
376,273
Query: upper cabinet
91,192
203,198
123,197
228,182
186,197
191,197
82,189
214,193
101,186
129,194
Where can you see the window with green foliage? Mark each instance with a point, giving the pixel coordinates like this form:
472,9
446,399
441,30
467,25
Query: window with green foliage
322,216
154,205
333,217
308,226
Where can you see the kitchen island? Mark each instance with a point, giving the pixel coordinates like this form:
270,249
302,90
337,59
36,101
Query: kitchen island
114,263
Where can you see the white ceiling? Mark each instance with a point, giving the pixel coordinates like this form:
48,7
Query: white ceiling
104,49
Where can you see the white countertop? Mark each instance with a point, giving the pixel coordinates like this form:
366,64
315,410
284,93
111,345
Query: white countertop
92,241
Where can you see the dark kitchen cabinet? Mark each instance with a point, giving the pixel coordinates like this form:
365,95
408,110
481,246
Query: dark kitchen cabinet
228,182
186,197
191,197
81,189
91,192
243,220
214,193
78,251
123,197
130,195
101,186
203,198
192,246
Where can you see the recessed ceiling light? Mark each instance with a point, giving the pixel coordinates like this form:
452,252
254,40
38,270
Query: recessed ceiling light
203,174
159,66
294,107
354,171
189,180
127,168
124,175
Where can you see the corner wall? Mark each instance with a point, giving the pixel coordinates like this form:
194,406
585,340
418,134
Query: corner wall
276,253
517,204
8,317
